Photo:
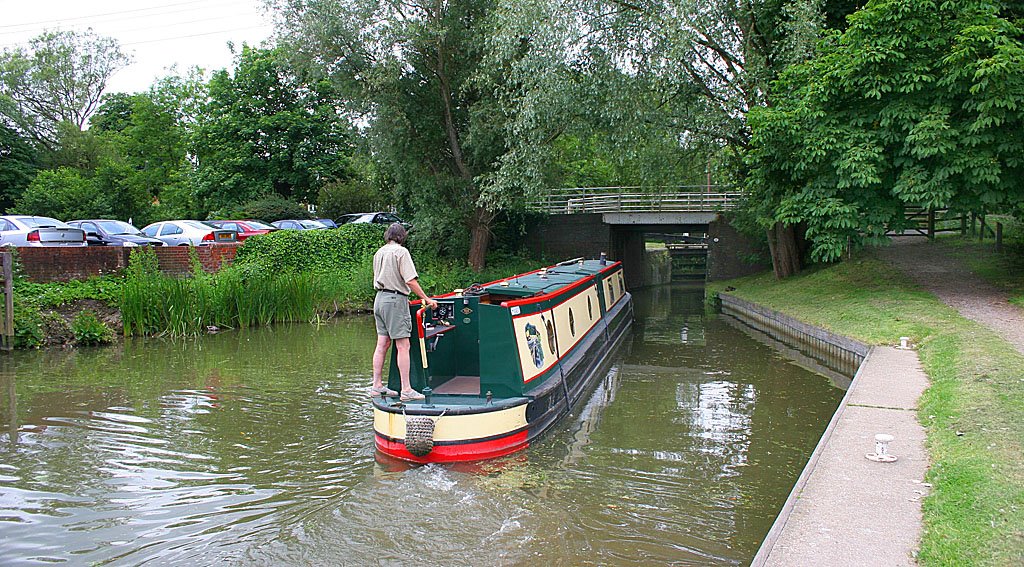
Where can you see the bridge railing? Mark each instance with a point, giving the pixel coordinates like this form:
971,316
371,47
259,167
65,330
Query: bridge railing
677,199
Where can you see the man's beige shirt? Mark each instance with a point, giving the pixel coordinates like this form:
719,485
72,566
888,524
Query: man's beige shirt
392,267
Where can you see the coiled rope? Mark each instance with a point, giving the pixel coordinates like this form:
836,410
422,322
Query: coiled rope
419,433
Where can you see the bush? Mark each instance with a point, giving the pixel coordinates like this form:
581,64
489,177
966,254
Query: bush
89,330
64,194
28,326
336,250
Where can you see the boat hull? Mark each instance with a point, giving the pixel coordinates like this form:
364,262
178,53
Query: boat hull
501,427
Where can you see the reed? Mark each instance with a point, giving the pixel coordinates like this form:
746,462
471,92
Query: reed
256,294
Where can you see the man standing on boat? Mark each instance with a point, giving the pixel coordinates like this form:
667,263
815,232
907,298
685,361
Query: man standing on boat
394,276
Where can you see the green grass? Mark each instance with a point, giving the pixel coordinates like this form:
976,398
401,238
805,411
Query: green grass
975,514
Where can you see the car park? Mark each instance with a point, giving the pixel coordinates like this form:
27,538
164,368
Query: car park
189,232
299,224
244,228
28,230
376,218
106,232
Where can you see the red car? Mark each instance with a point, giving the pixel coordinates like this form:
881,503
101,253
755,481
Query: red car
244,228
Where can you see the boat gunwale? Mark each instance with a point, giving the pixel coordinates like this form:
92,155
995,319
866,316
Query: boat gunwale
540,296
497,404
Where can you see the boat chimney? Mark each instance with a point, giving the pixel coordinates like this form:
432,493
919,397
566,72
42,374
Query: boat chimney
604,259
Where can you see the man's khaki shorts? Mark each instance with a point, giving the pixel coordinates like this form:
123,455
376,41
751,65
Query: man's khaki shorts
392,315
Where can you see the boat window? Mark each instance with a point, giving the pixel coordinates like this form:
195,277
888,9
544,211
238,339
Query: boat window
590,308
572,323
551,336
622,287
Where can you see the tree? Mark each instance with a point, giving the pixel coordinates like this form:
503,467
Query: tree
411,72
267,131
59,78
64,194
19,163
916,103
683,70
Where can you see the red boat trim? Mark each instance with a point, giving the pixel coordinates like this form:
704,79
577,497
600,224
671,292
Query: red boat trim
419,323
521,315
453,453
547,296
452,294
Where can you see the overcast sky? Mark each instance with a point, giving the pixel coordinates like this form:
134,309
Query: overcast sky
158,33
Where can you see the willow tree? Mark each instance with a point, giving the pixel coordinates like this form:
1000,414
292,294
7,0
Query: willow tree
688,70
409,75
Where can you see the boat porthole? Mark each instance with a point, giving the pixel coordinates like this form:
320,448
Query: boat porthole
590,308
551,336
572,323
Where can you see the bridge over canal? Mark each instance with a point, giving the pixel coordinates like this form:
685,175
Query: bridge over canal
619,220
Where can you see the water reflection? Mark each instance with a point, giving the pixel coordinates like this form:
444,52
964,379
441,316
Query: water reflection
256,447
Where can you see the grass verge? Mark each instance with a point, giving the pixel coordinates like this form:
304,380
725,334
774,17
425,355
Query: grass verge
973,411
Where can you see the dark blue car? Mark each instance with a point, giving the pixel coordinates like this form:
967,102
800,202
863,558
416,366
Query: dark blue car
101,232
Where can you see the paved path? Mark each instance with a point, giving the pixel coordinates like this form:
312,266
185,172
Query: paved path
933,268
846,510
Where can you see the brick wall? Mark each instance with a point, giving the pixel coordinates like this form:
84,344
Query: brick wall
731,254
63,264
561,237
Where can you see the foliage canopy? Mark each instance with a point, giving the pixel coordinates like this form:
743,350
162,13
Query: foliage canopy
917,103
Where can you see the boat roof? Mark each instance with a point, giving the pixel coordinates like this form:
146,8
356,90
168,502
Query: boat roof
548,280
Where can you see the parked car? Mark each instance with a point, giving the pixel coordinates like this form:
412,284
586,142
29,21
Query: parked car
105,232
27,230
327,222
378,218
244,228
299,224
186,232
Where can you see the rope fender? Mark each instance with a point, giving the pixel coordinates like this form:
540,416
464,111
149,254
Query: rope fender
419,434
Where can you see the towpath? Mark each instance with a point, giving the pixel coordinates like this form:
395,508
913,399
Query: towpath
881,519
936,269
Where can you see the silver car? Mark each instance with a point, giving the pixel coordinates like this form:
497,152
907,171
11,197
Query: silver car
27,230
299,224
189,232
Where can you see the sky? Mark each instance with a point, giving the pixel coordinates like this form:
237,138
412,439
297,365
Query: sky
157,33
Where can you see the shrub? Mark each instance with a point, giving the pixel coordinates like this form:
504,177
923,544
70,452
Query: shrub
64,194
89,330
338,250
28,326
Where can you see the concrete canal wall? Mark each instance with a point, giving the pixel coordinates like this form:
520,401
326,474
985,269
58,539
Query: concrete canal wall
847,509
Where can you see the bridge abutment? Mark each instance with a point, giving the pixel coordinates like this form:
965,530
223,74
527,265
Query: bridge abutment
622,236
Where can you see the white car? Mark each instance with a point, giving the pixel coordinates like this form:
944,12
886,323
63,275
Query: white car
27,230
189,232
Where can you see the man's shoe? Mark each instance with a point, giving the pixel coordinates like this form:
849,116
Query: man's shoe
383,391
411,396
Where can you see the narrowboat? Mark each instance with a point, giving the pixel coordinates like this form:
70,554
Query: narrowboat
500,363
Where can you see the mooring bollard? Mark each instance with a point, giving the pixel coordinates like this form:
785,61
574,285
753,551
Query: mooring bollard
904,342
881,454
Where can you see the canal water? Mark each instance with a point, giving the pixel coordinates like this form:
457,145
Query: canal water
255,448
